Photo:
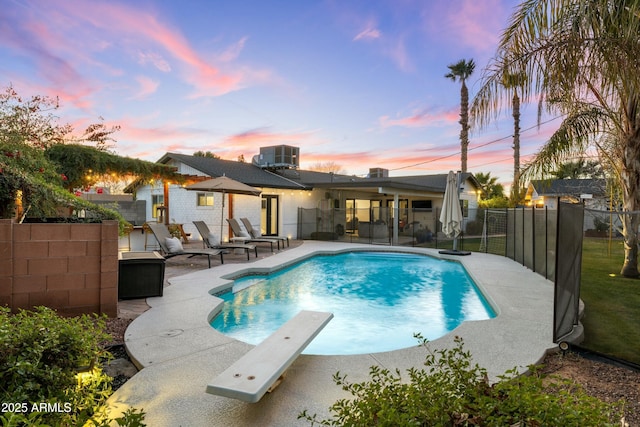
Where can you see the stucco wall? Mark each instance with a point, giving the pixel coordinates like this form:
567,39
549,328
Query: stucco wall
72,268
183,208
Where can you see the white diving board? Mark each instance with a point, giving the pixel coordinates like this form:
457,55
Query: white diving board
261,369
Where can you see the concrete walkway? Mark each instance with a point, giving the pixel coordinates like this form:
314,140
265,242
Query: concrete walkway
180,353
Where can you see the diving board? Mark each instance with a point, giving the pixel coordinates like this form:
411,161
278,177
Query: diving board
261,369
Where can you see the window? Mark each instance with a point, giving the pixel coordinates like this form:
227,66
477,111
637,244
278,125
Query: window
157,200
205,199
421,204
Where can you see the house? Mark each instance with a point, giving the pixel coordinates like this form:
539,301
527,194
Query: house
288,192
593,193
548,193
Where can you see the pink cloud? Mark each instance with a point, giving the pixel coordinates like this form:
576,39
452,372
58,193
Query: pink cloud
233,52
38,42
124,19
256,138
369,33
342,159
155,59
421,119
61,33
476,24
148,86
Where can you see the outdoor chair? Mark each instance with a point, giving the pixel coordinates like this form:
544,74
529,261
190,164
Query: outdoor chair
255,233
244,236
211,241
171,246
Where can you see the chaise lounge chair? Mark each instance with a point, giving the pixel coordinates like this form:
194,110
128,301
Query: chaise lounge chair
171,246
210,240
246,238
255,233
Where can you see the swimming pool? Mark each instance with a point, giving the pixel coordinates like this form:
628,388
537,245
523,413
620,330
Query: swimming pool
379,300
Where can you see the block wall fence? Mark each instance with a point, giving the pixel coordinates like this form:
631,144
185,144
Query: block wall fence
72,268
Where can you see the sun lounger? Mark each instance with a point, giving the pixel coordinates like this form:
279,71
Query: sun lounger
261,369
255,233
210,241
171,246
239,233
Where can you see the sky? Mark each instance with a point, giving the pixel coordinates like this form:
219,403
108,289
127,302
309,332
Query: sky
359,83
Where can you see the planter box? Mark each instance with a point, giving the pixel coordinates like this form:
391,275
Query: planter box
140,275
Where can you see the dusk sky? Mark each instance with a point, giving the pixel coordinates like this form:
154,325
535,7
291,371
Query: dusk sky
358,83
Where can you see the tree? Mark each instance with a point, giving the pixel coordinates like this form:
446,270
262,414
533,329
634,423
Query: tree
39,170
461,71
513,82
489,186
581,59
208,154
578,169
328,167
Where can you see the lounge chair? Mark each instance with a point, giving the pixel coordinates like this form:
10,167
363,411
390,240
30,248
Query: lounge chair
246,238
210,241
171,246
255,233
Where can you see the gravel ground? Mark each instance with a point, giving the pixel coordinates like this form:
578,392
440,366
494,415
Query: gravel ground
600,379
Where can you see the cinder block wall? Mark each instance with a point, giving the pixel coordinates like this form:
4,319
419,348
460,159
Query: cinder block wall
72,268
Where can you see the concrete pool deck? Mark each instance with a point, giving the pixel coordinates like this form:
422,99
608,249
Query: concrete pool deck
180,353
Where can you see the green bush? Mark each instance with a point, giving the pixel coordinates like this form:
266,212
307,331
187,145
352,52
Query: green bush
50,368
452,391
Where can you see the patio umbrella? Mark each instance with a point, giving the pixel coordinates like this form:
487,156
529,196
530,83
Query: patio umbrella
224,185
451,215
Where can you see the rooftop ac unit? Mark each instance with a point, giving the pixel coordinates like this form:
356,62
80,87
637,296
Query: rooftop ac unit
278,157
378,173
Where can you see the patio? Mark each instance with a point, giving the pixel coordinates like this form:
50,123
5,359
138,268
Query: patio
181,353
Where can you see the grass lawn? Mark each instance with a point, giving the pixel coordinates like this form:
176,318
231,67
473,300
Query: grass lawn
612,302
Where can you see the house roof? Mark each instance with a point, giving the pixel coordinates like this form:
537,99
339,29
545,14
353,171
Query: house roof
568,187
255,176
240,171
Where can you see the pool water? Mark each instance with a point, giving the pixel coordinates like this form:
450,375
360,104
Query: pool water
379,301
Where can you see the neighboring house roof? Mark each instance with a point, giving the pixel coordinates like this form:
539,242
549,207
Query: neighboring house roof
255,176
568,188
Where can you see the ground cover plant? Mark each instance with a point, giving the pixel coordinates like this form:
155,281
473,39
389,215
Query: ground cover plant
50,370
452,391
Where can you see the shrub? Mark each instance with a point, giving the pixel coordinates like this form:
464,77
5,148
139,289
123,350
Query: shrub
452,391
49,368
475,228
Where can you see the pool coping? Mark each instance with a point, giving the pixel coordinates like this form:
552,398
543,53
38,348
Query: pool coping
180,353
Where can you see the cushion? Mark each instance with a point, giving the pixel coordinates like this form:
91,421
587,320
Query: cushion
173,244
213,240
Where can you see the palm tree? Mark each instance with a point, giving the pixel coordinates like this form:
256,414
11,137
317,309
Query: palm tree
513,82
581,58
578,169
461,71
489,185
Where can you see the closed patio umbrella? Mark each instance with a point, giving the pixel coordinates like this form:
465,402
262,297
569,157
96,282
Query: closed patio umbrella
224,185
451,215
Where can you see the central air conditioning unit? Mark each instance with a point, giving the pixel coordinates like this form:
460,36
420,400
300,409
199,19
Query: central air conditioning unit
278,157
